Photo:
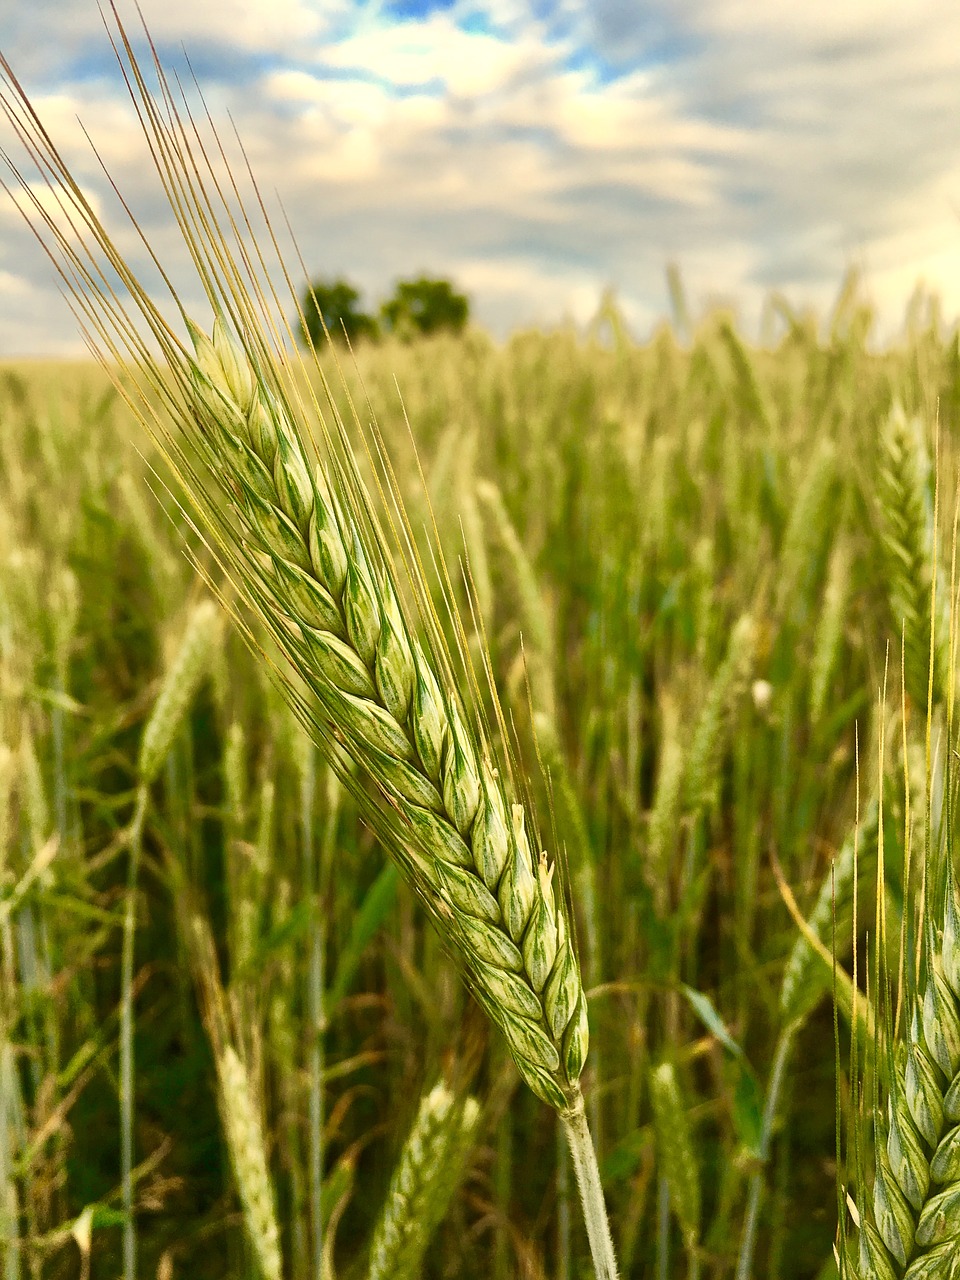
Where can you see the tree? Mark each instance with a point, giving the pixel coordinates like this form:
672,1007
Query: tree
334,303
425,306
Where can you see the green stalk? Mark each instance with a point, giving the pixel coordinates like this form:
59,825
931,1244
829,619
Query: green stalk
563,1211
663,1228
9,1200
755,1190
135,840
503,1187
316,1011
591,1192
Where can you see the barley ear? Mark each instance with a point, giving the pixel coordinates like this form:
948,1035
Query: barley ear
397,713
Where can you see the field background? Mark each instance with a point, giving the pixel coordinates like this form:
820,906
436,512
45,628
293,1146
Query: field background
686,535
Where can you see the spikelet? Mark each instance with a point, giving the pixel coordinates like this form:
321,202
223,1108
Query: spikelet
180,683
423,1184
709,736
806,535
675,1150
244,1133
668,798
913,561
829,630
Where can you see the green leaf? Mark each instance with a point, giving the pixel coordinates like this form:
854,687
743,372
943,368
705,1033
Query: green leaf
376,906
294,925
747,1098
748,1110
627,1156
336,1186
703,1008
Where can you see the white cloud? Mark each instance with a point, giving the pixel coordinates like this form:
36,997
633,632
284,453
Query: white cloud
255,24
13,288
534,295
467,63
40,33
817,21
37,202
761,146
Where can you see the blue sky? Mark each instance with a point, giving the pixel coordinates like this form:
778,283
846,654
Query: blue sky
538,151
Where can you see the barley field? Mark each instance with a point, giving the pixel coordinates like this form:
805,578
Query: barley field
471,808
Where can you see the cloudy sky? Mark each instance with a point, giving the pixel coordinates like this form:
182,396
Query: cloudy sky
536,151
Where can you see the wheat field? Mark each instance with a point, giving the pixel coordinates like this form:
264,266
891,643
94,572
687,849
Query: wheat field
685,556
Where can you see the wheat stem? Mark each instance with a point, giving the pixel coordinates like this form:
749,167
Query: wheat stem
135,843
755,1191
316,990
591,1191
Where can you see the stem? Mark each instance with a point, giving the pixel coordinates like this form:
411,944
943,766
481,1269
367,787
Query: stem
591,1192
126,1038
503,1180
748,1240
663,1228
316,1012
563,1211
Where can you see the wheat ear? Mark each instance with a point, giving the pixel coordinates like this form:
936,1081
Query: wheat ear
914,568
915,1229
248,1155
319,577
463,846
675,1154
427,1173
705,757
